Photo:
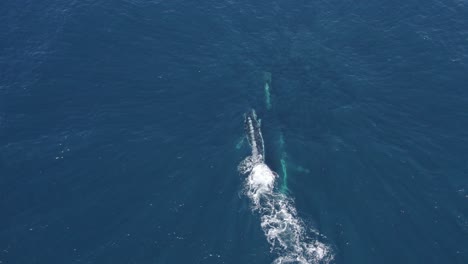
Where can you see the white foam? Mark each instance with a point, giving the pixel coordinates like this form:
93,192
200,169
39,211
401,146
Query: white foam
284,230
261,181
262,177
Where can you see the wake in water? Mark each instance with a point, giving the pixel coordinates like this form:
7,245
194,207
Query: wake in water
283,229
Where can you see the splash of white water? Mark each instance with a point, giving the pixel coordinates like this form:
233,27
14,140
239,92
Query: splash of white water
283,229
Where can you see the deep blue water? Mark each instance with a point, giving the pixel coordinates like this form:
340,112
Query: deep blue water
119,122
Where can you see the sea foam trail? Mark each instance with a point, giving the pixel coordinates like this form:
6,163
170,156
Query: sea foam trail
283,229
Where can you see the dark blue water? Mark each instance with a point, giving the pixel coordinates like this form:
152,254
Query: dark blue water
119,122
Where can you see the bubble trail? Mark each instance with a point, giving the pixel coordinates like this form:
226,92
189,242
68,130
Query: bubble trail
284,230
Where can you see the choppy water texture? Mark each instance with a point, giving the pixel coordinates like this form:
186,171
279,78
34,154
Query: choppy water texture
122,125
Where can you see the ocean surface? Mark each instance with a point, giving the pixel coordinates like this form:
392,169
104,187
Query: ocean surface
122,129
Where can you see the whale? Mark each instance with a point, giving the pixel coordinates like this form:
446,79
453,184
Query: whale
254,136
289,238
